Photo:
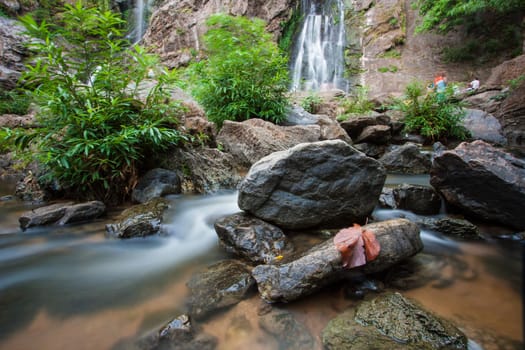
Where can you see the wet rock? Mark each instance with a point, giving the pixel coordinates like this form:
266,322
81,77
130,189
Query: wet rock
140,220
253,139
62,213
221,285
322,265
391,321
290,333
483,126
371,149
312,184
482,181
406,159
378,134
354,126
418,199
453,227
252,238
203,169
156,183
357,288
30,190
177,334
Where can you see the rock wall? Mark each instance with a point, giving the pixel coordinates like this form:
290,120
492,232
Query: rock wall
176,26
12,52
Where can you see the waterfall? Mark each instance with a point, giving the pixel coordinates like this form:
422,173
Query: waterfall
139,20
317,58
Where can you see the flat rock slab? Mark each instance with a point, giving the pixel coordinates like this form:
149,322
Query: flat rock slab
62,213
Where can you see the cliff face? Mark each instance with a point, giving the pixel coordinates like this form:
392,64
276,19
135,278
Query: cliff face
176,26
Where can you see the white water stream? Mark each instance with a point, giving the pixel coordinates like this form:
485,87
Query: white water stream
317,58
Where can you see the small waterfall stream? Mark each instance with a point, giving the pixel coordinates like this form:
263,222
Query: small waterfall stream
317,58
139,20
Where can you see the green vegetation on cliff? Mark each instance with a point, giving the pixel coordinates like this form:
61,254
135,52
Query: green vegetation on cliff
95,130
245,74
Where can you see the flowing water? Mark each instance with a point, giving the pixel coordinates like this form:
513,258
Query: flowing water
317,57
72,288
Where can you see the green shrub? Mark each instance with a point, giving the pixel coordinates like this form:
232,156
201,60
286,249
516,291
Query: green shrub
436,116
95,129
245,75
14,102
311,103
357,103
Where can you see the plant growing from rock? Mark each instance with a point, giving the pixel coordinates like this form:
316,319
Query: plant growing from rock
311,103
436,116
245,75
357,103
95,130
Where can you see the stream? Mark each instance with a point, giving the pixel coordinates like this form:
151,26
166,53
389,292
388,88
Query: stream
71,287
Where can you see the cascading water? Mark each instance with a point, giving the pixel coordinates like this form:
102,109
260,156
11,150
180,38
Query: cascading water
318,62
139,20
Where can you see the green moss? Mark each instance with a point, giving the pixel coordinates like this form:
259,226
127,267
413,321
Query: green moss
391,69
392,53
289,29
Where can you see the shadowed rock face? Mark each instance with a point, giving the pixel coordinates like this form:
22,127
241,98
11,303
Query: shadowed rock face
391,321
483,181
322,265
326,183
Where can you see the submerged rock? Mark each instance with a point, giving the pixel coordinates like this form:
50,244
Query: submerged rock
252,238
482,181
290,333
156,183
326,183
322,265
62,213
391,321
421,200
140,220
222,284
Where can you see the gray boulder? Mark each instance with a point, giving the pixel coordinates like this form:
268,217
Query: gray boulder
156,183
354,126
378,134
312,184
12,52
391,321
62,213
322,264
252,238
406,159
330,128
483,126
221,285
140,220
482,181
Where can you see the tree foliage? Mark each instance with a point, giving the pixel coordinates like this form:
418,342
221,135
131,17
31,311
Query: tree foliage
245,75
442,15
95,129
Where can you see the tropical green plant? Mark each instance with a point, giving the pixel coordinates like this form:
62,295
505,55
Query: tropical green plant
95,127
245,75
14,102
356,103
311,103
436,116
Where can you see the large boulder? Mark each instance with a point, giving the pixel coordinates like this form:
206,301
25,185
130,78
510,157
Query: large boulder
221,285
312,184
253,139
406,159
483,181
355,125
176,26
62,213
322,264
140,220
330,128
252,238
421,200
391,321
483,126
